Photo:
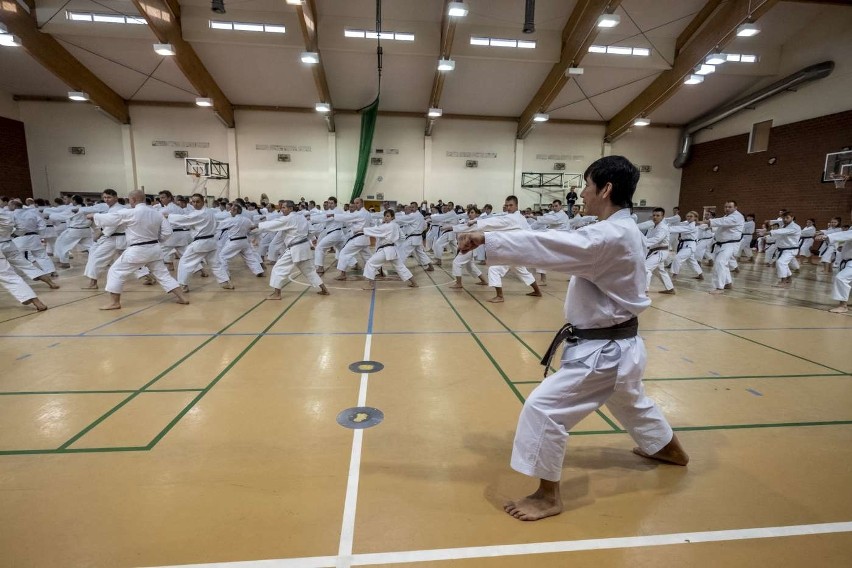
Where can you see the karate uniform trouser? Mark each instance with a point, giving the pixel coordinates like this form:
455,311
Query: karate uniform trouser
284,266
371,268
464,262
805,247
686,254
195,253
276,248
19,262
745,247
761,244
771,252
34,251
231,249
444,241
721,264
497,272
655,262
16,286
104,251
786,261
348,255
842,284
330,240
701,249
69,239
263,247
828,254
134,258
479,254
432,234
592,373
413,245
175,244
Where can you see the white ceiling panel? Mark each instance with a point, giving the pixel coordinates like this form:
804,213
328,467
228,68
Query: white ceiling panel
492,87
691,101
20,74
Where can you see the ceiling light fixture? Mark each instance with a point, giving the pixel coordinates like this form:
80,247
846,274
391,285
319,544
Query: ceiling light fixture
446,64
693,79
748,30
574,71
164,48
294,2
204,102
457,9
608,20
541,117
78,96
323,107
311,57
642,121
716,59
705,69
435,112
9,40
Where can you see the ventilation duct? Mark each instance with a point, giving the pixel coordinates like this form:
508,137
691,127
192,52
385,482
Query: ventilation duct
806,75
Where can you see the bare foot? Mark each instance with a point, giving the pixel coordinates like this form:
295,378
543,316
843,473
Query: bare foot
671,292
227,285
534,507
716,292
182,301
184,288
456,287
89,287
839,310
700,277
112,307
728,287
496,300
261,275
323,292
430,268
149,280
672,453
412,283
542,283
482,283
204,273
341,277
36,303
536,294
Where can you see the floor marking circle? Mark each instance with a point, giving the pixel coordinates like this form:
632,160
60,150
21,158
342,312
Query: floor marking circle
366,367
360,417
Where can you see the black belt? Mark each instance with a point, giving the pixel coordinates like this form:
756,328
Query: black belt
238,238
2,242
383,246
333,230
413,235
843,263
28,234
656,249
569,333
706,239
355,236
202,237
747,235
445,231
291,245
680,243
144,243
720,243
117,235
788,248
179,230
48,225
222,232
80,228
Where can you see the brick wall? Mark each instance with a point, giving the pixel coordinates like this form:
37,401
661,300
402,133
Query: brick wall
792,183
14,163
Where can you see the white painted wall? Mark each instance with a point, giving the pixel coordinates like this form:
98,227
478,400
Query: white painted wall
8,106
52,128
826,96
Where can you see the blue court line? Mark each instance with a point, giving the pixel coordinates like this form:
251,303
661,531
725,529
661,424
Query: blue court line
714,373
754,392
664,348
24,356
52,345
687,360
372,311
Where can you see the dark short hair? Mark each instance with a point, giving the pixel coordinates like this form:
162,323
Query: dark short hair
559,201
77,199
659,210
288,203
111,192
512,198
735,203
167,193
618,171
392,214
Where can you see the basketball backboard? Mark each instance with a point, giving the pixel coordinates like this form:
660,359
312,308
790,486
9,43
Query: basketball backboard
838,167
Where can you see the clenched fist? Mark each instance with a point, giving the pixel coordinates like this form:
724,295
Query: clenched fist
469,241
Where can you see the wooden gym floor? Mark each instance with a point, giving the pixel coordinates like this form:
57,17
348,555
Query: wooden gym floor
166,435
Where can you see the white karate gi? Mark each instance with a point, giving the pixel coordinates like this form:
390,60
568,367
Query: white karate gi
332,237
14,257
728,236
606,260
745,242
296,253
357,243
106,249
843,278
828,249
202,227
10,280
515,223
673,220
686,246
657,243
79,231
180,237
387,235
412,226
464,260
142,224
787,242
28,224
806,241
234,233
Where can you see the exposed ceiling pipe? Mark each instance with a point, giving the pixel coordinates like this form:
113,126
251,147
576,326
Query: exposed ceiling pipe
806,75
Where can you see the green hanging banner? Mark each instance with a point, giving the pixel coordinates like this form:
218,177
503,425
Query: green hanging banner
368,128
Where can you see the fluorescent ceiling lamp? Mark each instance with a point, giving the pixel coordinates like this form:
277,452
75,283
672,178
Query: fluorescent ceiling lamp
541,117
294,2
274,29
641,121
748,59
526,44
164,48
716,59
221,25
3,29
479,40
371,35
608,20
732,56
79,17
311,57
574,71
446,65
404,37
323,107
246,27
504,43
705,69
9,40
748,30
136,20
353,33
108,18
204,102
616,50
597,49
78,96
435,112
643,51
457,9
693,79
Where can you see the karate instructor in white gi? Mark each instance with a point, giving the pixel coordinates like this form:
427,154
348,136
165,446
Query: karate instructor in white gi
604,359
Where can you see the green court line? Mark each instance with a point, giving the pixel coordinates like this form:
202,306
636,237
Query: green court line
233,362
53,307
119,391
478,342
732,427
73,451
110,412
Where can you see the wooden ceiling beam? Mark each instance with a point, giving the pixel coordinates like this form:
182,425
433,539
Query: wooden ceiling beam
45,49
577,35
695,24
719,30
308,22
448,34
166,26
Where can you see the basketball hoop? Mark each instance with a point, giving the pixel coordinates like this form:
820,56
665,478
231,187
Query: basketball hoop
840,181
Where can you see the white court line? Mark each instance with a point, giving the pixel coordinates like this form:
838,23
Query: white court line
537,547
